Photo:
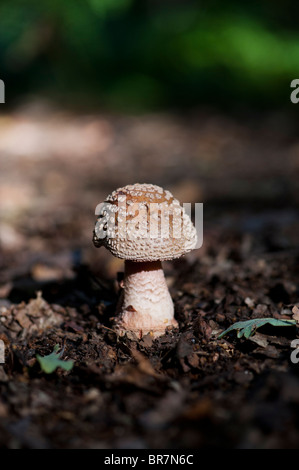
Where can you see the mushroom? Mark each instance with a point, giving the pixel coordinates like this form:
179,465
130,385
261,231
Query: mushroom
144,225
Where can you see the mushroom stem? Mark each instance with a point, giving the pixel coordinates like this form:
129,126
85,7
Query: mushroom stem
146,305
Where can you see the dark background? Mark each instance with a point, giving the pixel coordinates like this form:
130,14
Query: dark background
138,54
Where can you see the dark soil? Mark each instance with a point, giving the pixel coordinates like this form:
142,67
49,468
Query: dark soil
186,389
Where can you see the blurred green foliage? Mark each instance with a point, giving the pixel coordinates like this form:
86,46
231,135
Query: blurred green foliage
144,54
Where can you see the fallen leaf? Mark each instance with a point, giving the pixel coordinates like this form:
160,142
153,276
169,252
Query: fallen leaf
50,363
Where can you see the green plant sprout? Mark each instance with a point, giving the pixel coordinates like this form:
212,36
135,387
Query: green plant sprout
248,328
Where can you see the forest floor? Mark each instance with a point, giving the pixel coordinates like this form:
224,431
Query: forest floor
186,389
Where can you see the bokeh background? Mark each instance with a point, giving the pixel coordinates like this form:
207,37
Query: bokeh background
194,96
130,54
190,95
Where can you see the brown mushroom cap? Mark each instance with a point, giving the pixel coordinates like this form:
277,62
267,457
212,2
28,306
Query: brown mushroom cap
144,222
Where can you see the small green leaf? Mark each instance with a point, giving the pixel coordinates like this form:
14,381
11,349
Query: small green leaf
248,331
248,328
50,363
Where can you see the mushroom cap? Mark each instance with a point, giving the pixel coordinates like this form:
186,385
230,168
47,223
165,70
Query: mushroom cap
144,222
